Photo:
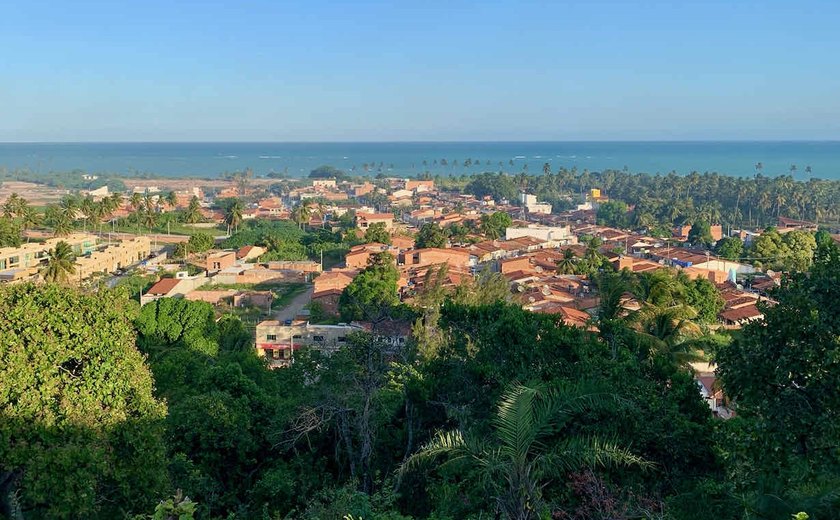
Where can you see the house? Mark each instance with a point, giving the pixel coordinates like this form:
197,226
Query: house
458,258
220,260
177,287
249,253
327,289
419,186
530,203
359,256
277,342
555,235
365,220
34,254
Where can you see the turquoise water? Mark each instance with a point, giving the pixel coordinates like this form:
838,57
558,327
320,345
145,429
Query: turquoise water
297,159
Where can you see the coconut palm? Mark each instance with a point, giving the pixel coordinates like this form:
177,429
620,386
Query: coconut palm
171,199
61,219
670,333
136,200
302,213
193,212
60,264
525,452
233,215
568,265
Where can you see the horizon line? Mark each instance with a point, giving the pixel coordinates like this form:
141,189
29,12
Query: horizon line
422,141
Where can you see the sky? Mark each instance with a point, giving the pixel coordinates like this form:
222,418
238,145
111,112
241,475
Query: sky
270,70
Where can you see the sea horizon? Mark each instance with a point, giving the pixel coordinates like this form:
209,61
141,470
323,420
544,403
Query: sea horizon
208,159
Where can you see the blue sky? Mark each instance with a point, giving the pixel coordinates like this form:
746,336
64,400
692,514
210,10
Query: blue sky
455,70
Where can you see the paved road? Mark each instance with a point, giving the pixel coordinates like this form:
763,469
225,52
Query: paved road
295,306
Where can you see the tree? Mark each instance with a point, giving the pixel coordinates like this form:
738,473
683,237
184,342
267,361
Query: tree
700,233
613,214
9,233
568,264
60,264
327,172
801,246
493,226
171,199
377,233
233,215
516,465
373,292
82,434
729,248
431,235
781,373
193,212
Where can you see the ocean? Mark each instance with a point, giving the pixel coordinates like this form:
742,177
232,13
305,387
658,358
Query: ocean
209,160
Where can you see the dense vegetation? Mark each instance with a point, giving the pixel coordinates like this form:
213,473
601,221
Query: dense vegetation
107,409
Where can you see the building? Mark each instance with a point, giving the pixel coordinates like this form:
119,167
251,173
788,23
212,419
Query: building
35,254
554,235
246,253
530,203
365,220
323,184
114,257
359,256
220,260
457,258
177,287
277,342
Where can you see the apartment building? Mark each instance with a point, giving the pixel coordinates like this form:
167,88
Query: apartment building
278,342
113,257
35,254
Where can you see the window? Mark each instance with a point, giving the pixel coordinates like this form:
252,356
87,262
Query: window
271,337
318,338
342,339
296,336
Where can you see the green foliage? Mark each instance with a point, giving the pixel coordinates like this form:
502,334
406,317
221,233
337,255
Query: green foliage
729,248
327,172
700,234
81,435
262,232
377,233
613,214
431,235
9,232
493,226
137,284
783,375
197,243
373,292
496,185
60,264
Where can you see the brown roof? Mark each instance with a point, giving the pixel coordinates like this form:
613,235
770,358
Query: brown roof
163,287
741,313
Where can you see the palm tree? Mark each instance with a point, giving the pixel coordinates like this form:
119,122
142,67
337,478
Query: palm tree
60,262
136,200
568,265
233,215
670,334
61,219
171,199
193,212
521,459
302,213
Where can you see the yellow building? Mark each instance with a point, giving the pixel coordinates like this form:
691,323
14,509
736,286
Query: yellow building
34,254
113,257
595,193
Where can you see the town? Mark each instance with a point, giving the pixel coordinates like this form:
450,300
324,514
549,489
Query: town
238,246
